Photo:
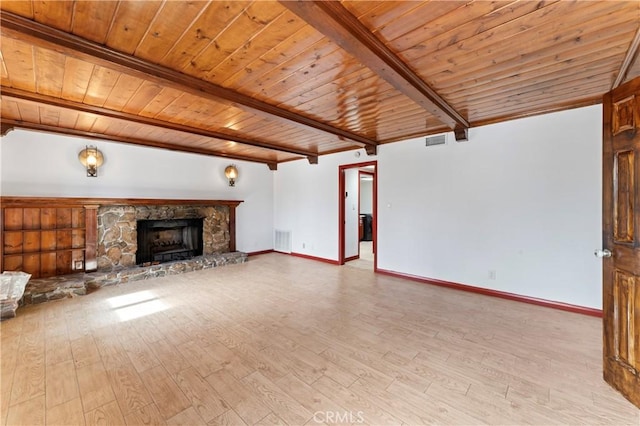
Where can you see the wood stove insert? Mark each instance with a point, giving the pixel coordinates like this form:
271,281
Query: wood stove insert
168,240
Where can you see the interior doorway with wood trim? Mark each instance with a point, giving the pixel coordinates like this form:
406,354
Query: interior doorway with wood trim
357,214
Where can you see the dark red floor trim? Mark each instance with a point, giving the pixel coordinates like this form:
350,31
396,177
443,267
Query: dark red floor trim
256,253
500,294
319,259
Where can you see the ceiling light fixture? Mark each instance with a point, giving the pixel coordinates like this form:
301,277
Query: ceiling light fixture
91,158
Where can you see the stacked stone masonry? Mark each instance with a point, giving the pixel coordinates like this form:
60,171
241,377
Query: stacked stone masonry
117,230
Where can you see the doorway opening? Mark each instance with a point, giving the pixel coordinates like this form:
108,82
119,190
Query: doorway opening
357,215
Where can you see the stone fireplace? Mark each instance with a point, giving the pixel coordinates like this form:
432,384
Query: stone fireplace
120,233
93,242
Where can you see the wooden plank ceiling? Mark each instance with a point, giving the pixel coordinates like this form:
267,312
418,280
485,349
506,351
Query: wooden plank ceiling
277,81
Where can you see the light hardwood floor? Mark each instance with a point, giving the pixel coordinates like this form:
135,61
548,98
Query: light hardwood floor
365,261
287,340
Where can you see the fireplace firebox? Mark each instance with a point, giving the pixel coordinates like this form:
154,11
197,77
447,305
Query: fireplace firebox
167,240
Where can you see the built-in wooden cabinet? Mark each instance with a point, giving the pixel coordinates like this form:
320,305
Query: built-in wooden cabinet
44,241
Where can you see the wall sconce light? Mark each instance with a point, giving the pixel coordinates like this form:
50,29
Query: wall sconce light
231,172
91,158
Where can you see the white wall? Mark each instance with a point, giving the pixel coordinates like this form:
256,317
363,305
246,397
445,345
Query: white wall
351,216
41,164
521,198
306,203
366,196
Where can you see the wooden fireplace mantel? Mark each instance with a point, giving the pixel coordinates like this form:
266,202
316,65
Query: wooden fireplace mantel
59,201
88,223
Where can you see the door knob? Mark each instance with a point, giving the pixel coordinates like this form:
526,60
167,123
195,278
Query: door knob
602,253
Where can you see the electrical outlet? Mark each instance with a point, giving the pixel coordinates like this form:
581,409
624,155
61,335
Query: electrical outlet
492,274
303,245
77,265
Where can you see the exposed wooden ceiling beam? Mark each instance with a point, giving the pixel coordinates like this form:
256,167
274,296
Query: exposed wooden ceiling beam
71,45
16,124
80,107
338,24
633,54
5,128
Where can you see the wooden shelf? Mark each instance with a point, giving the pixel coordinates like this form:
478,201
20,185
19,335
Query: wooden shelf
75,202
44,229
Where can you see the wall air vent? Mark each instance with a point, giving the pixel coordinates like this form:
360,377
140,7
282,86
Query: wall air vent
282,241
436,140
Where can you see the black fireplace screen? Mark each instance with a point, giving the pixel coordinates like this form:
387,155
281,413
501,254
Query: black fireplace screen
166,240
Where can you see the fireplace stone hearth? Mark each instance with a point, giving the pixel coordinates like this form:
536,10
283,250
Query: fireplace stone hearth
41,290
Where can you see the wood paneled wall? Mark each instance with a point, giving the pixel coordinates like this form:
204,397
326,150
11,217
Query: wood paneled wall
56,236
44,241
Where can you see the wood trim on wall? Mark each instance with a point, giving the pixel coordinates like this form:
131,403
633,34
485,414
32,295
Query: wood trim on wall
374,211
317,259
258,253
496,293
13,201
232,228
91,238
341,207
341,215
1,238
